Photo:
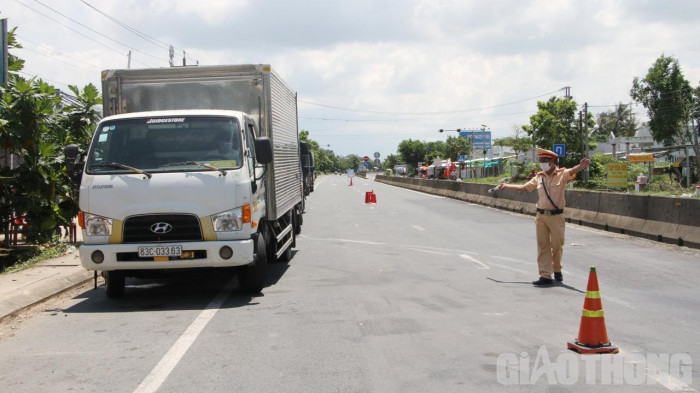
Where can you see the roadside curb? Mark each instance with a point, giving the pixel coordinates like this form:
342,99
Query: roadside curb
36,284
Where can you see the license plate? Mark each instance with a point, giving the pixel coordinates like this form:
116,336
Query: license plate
160,251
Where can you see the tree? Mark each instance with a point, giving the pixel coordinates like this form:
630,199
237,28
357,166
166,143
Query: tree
391,161
556,122
34,126
672,105
619,122
455,146
518,142
412,152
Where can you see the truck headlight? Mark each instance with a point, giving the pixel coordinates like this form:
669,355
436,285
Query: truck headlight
228,221
98,225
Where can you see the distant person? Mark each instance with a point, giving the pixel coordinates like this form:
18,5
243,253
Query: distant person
550,184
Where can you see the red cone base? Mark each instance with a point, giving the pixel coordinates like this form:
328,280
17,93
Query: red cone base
585,349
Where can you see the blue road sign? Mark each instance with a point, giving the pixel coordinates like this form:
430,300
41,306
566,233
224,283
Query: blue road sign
461,158
559,149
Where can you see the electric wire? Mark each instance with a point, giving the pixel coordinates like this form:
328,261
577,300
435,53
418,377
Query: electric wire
98,33
429,113
134,31
60,61
78,32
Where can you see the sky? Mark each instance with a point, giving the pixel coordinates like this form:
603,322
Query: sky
370,74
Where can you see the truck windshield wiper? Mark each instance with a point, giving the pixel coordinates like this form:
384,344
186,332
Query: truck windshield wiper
122,166
213,168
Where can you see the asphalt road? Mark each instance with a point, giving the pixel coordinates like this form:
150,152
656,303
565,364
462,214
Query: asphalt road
414,294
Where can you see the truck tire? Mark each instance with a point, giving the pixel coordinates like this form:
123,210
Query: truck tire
114,284
252,279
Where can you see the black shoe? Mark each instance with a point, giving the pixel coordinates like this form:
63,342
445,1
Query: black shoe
558,276
543,281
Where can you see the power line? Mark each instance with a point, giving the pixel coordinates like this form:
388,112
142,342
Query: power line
43,79
98,33
61,61
132,30
429,113
24,39
76,31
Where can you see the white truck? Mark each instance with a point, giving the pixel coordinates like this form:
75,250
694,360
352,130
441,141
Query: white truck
192,167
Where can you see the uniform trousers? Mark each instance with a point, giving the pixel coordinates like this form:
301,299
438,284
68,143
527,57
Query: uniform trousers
550,243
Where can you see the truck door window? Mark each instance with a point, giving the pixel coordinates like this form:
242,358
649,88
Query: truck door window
250,148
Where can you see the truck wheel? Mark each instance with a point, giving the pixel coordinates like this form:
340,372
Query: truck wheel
252,279
114,284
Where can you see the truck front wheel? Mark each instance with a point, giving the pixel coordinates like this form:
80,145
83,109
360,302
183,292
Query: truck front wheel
114,284
253,277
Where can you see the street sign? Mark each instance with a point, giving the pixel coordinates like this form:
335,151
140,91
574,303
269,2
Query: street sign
559,149
366,158
641,158
376,154
461,158
617,175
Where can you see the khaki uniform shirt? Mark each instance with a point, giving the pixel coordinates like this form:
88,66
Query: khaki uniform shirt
556,185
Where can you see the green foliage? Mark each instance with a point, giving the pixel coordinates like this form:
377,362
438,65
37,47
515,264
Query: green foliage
556,122
620,122
391,160
517,142
412,152
672,105
667,96
455,146
35,128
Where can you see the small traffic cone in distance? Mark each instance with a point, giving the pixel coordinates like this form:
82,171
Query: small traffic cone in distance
368,197
592,333
350,181
373,198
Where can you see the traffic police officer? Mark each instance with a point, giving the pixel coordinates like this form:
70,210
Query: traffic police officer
550,184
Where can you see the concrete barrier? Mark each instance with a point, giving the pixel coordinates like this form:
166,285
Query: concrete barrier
667,219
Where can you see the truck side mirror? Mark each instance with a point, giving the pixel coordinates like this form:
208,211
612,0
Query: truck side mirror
72,161
263,150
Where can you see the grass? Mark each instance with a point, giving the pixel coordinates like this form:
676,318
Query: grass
15,259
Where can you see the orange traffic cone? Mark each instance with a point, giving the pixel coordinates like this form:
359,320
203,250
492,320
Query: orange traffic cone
350,182
592,334
373,197
368,197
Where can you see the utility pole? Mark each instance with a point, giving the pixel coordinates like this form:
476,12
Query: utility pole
585,130
128,62
567,92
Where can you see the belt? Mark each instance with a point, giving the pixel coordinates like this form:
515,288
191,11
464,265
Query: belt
550,212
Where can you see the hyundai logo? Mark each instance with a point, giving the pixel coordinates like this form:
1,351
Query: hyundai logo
161,227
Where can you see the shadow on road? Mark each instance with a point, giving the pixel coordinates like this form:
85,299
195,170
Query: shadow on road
191,290
555,285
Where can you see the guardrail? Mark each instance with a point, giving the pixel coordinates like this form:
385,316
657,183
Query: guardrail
666,219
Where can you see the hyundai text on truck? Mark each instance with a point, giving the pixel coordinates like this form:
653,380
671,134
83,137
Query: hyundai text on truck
192,167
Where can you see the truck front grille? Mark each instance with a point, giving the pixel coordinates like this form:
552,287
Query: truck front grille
158,228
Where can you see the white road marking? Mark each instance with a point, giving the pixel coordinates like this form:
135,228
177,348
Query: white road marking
418,227
666,380
480,265
160,372
427,251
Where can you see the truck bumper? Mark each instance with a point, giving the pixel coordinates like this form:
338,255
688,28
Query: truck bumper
201,254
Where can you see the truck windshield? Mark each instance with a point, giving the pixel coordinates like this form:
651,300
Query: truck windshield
165,144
